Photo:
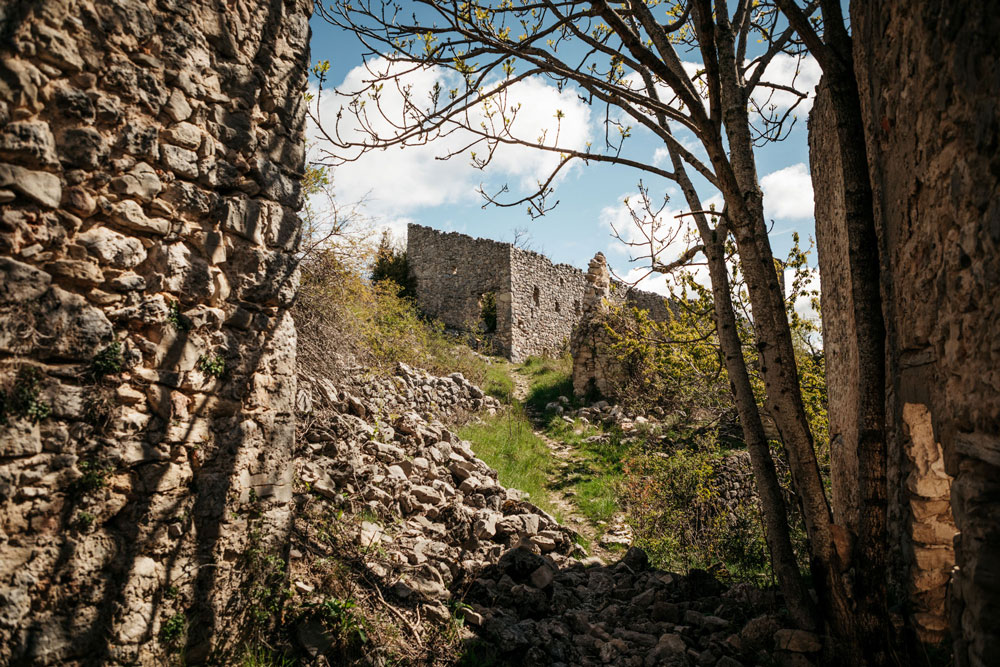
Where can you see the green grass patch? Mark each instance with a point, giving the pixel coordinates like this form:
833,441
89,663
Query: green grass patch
507,444
498,382
597,497
595,480
548,379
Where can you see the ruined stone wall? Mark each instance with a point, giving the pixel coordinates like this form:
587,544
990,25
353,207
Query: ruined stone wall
920,524
453,272
653,303
546,303
929,76
538,302
150,156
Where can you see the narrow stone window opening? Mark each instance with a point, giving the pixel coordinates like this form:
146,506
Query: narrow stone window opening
557,306
488,311
576,307
536,295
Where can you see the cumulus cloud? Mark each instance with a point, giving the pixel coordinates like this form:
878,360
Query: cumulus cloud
397,181
802,74
788,193
674,237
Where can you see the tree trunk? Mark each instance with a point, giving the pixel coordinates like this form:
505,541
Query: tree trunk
870,553
744,200
776,533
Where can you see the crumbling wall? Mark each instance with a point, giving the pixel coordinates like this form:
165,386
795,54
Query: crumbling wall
594,370
920,524
929,76
546,303
150,157
538,303
453,272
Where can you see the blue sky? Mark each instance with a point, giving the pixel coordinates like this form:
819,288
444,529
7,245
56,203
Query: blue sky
400,186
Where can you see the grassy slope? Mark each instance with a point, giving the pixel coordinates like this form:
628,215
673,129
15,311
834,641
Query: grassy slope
507,443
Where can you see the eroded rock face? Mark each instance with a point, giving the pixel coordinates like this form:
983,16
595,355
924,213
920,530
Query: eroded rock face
150,379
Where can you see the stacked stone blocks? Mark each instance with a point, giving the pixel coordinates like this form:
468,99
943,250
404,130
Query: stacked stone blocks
150,157
538,303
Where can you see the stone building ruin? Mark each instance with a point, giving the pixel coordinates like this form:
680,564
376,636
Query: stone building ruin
150,159
928,76
518,299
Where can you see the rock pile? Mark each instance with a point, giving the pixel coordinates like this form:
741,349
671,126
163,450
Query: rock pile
441,514
407,390
434,525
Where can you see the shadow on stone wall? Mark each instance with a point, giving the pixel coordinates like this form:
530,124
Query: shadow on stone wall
149,166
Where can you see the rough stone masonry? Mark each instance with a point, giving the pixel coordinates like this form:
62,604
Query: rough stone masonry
150,157
928,75
537,302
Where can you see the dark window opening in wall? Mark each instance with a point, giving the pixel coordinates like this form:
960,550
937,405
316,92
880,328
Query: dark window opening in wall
562,281
557,306
536,295
488,312
576,307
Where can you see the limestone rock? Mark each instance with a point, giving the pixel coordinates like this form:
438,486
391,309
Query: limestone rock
41,186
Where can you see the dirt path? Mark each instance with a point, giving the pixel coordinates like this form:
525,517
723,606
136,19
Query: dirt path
566,471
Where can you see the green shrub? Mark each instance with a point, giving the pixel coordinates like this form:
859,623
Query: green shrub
488,312
22,400
374,325
672,504
390,264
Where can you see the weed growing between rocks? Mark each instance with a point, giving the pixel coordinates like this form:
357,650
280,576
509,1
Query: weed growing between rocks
173,629
21,399
213,365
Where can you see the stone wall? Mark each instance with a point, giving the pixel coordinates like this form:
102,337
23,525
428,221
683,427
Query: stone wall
545,304
920,524
453,272
538,302
929,77
150,156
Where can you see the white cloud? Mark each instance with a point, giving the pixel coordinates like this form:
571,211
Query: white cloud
788,193
672,237
802,74
397,181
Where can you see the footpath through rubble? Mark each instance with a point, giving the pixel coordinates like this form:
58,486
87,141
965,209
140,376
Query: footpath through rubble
436,538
